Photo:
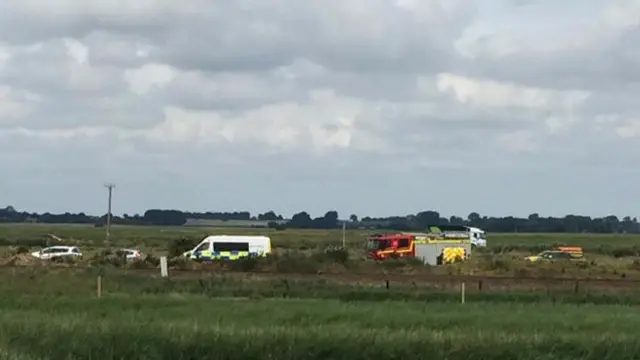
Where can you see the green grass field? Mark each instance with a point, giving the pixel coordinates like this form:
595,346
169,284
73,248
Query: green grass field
611,256
52,312
158,237
193,327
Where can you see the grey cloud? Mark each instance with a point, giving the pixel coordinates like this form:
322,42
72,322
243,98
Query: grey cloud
602,63
52,20
49,70
332,36
119,50
244,57
622,101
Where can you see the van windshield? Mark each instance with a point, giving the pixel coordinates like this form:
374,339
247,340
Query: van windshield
230,246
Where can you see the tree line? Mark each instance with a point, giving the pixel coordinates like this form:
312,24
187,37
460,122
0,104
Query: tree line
534,223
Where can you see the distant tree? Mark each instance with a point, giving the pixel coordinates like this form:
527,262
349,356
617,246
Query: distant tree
269,216
301,220
413,222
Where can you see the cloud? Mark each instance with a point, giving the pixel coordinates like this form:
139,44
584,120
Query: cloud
376,107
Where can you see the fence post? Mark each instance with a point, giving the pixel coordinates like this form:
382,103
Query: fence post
462,293
99,286
576,287
164,270
387,284
286,287
479,285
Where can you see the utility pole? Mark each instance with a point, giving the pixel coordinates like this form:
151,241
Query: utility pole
110,188
344,234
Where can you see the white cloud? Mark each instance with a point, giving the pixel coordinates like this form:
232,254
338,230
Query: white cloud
487,93
5,56
111,9
519,141
15,105
324,123
629,129
149,76
308,100
77,51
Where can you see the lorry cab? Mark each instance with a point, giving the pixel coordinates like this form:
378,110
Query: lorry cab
230,247
477,236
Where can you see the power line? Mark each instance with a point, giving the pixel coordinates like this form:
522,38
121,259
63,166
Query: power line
110,188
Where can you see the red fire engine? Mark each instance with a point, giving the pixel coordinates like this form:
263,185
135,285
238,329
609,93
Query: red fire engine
384,246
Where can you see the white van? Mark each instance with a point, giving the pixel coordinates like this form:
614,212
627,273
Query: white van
230,247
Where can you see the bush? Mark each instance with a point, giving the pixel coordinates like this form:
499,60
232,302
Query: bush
337,254
152,260
624,252
180,263
498,265
244,264
635,265
63,260
295,264
394,263
179,246
106,258
142,264
22,250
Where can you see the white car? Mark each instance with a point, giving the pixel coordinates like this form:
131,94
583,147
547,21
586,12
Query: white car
57,251
129,254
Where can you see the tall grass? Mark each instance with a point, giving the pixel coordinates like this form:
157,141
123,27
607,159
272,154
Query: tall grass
66,283
190,327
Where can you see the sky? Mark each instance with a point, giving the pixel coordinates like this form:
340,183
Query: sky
372,107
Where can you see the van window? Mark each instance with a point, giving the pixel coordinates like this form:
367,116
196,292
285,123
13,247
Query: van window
228,246
403,243
203,247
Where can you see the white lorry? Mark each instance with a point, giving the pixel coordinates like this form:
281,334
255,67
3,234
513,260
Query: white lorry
477,236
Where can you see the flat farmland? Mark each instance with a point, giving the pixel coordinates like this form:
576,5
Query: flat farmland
302,251
301,303
158,237
196,327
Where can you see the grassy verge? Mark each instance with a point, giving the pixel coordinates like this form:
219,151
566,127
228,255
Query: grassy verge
83,284
192,327
343,262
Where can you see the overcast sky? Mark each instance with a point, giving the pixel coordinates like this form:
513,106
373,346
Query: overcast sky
373,107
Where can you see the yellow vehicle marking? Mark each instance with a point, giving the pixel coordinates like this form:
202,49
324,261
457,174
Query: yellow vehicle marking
453,254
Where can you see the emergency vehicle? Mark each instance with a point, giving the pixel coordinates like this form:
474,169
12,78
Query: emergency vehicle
230,247
559,253
432,248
